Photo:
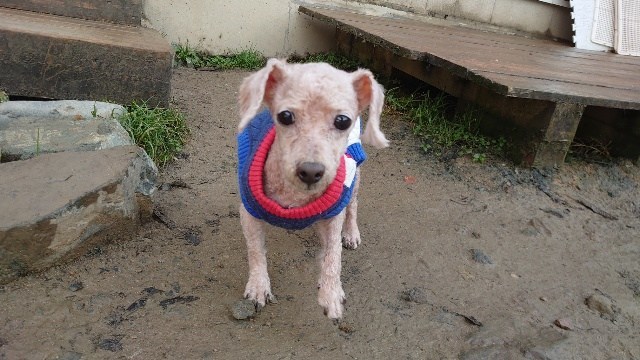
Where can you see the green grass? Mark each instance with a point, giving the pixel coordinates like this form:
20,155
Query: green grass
336,60
440,133
161,132
246,59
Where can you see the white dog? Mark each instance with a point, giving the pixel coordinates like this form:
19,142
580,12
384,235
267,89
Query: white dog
298,163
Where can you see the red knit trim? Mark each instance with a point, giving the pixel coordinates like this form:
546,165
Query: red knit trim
256,184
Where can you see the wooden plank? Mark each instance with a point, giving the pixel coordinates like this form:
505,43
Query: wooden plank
447,30
517,86
474,55
525,58
509,65
559,133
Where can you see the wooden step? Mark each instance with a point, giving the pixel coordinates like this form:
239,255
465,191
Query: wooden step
57,57
127,12
534,91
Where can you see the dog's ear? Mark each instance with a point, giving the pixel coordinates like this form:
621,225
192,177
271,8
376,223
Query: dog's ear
258,88
370,94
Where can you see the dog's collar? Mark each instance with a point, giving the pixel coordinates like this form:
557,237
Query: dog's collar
254,143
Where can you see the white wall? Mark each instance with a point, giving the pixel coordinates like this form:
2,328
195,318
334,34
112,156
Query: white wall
530,16
272,27
275,28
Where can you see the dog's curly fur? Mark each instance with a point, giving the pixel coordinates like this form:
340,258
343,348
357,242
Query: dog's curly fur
315,94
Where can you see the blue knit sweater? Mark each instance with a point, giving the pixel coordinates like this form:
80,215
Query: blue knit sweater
253,146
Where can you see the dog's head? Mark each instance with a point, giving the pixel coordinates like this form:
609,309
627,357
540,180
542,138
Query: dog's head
315,107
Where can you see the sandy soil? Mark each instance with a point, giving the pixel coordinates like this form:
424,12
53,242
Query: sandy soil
415,287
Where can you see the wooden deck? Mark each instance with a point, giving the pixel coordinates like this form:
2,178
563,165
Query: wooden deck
554,81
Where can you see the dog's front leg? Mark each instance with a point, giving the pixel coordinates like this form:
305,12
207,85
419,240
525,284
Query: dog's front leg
330,294
350,231
258,287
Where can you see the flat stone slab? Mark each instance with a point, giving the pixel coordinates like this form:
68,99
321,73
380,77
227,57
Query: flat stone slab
59,57
37,127
57,206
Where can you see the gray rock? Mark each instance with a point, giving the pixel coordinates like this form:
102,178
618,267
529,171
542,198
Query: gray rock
57,206
243,309
28,128
480,257
76,286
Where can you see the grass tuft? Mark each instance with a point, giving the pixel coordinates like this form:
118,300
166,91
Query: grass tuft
161,132
336,60
246,59
440,134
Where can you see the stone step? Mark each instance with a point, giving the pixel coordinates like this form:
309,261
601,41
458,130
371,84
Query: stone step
55,207
127,12
58,57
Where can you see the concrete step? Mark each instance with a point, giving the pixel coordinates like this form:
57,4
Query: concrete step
58,57
127,12
55,207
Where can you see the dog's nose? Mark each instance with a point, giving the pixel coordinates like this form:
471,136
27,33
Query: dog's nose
310,172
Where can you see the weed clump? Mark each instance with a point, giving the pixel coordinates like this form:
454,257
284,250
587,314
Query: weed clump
246,59
336,60
161,132
441,134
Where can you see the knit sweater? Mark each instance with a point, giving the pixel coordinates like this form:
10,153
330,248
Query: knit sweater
254,143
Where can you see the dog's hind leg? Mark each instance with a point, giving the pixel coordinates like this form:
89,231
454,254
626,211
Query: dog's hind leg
350,231
258,287
330,294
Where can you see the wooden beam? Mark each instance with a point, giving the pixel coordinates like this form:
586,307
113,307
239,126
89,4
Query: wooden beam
558,135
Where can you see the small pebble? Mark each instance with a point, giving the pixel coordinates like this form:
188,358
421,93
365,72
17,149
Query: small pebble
76,286
345,327
563,323
243,309
542,298
480,257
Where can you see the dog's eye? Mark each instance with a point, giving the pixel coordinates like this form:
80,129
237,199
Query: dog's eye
285,117
342,122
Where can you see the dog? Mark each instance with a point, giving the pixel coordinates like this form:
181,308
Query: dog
299,147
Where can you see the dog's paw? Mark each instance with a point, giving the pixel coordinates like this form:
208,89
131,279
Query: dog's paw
332,301
351,240
258,290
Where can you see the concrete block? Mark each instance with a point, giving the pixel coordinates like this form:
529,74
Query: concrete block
56,57
128,12
28,128
55,207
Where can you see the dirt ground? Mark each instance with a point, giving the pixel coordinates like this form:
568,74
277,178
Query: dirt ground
458,260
